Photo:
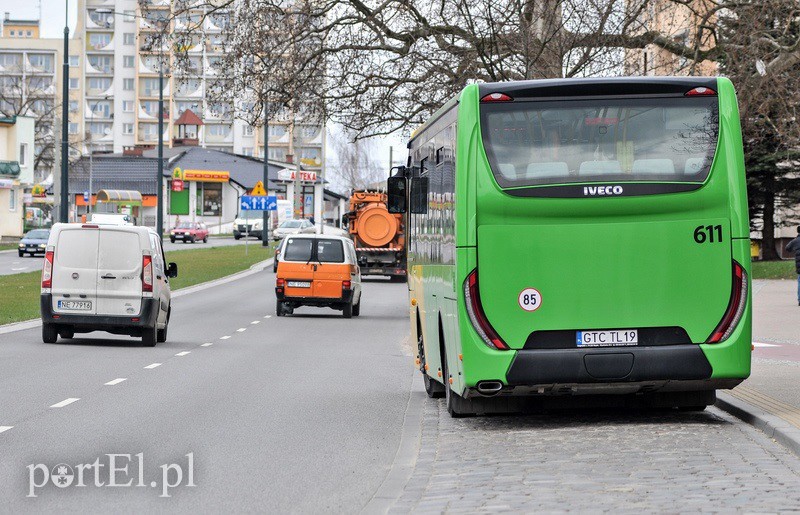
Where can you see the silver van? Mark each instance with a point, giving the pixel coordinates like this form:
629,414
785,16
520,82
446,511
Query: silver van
105,278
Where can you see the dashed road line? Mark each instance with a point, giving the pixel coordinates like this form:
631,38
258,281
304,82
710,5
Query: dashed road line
184,353
267,316
254,322
241,330
116,381
5,428
759,344
207,344
153,365
225,338
65,402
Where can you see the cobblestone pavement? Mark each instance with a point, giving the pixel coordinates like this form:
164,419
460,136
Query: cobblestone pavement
621,461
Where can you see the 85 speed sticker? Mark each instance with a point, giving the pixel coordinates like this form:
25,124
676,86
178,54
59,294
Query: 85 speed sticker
530,299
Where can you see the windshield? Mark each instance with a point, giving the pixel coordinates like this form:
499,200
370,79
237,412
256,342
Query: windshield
619,140
290,224
185,225
38,235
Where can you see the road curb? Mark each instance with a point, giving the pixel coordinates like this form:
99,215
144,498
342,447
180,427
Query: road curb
254,269
773,426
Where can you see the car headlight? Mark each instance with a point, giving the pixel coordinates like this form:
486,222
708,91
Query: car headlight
42,245
172,232
21,245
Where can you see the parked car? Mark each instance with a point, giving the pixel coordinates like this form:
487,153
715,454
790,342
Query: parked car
105,278
290,227
321,271
34,242
244,227
189,232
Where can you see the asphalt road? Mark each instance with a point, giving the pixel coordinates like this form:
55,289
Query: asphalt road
11,263
314,413
293,414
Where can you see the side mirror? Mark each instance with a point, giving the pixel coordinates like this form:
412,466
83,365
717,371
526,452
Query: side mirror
172,270
396,190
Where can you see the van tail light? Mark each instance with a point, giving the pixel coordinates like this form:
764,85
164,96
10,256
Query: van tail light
147,274
736,306
477,316
346,285
47,270
280,283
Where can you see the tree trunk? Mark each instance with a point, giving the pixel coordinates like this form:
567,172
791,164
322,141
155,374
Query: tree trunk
768,251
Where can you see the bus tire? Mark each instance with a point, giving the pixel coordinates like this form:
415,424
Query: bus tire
457,406
433,388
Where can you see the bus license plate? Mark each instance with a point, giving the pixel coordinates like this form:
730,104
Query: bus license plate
608,338
299,284
76,305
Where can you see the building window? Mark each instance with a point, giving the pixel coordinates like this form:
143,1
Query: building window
23,154
74,60
129,16
11,33
73,128
127,84
99,40
247,130
209,198
12,200
73,106
74,83
127,106
99,83
127,128
277,131
128,38
29,33
127,61
247,151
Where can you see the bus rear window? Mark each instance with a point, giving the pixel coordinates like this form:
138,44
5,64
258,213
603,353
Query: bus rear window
614,140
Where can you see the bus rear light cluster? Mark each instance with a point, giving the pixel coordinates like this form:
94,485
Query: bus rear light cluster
47,270
700,92
477,316
496,97
736,306
147,274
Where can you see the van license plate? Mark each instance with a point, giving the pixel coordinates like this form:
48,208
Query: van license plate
608,338
299,284
77,305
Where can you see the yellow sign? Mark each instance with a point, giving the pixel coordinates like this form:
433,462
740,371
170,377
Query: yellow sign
177,173
258,190
206,176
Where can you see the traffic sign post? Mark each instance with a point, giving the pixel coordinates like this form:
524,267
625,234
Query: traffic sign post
251,203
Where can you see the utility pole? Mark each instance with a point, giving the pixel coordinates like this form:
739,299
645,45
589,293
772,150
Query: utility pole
64,211
265,220
160,180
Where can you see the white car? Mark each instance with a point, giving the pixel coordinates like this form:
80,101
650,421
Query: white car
105,278
291,227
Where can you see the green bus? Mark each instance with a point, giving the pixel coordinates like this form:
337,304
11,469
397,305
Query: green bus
579,237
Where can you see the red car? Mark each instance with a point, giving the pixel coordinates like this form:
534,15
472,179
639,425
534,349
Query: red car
189,232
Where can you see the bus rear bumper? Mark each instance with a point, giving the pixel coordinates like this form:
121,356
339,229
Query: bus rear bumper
612,371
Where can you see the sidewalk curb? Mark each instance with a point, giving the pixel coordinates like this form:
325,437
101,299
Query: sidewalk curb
773,426
254,269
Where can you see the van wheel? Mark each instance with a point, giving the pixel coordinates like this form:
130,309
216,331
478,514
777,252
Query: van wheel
49,333
149,336
279,310
161,337
357,309
347,312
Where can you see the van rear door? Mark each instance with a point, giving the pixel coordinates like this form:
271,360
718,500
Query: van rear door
119,273
331,268
75,271
296,268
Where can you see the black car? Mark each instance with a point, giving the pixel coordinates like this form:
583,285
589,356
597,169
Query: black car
34,242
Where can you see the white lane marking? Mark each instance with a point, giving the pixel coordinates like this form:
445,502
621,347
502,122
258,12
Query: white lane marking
207,345
153,365
5,428
184,353
65,402
241,330
225,338
116,381
759,344
19,269
267,316
254,322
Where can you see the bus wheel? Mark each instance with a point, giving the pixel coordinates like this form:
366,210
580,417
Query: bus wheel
433,388
457,405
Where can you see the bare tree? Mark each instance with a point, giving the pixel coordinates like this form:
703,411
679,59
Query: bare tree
354,166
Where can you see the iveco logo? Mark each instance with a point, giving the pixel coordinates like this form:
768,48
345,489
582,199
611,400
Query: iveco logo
602,190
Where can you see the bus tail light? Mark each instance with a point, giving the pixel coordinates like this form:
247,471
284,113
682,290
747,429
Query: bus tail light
736,306
496,97
701,92
47,270
147,274
477,316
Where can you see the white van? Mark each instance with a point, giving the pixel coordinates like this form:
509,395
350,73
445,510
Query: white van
105,278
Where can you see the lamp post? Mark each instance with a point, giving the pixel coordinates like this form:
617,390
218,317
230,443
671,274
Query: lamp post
265,220
64,200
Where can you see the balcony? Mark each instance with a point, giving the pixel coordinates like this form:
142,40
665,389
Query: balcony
100,44
40,64
99,67
95,20
157,4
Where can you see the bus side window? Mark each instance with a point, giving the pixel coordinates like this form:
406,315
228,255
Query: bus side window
419,195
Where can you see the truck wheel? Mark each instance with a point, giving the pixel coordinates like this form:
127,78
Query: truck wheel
347,312
357,309
149,336
49,333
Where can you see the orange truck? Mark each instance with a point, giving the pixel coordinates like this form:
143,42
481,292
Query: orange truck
379,236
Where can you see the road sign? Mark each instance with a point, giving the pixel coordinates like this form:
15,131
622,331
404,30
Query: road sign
260,203
258,190
86,196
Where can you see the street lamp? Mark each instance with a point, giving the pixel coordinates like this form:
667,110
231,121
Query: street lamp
64,200
160,179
